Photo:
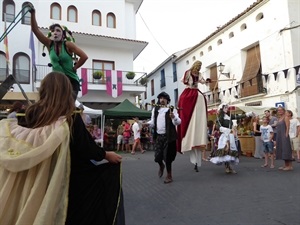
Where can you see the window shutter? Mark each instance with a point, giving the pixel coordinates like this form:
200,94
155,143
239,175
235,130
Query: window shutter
251,82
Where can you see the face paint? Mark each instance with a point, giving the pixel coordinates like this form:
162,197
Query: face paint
57,34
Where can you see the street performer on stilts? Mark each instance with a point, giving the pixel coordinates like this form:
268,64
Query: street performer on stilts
62,51
227,151
192,133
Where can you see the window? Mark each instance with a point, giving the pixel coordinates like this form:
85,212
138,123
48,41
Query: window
220,42
8,10
194,58
231,35
103,65
21,67
111,20
176,96
162,78
174,72
96,18
260,16
251,81
72,14
2,66
152,88
145,94
25,14
55,12
209,48
201,53
187,62
243,27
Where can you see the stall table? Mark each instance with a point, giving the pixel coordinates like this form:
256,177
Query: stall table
247,144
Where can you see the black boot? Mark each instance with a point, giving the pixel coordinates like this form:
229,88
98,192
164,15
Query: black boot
196,168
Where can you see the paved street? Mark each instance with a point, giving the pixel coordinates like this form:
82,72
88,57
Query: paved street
254,196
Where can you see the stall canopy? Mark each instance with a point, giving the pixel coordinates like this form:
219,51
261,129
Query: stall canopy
126,110
258,110
93,113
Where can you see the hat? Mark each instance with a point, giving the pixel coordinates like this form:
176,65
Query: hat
164,95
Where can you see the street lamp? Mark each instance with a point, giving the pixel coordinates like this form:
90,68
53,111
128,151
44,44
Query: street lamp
221,69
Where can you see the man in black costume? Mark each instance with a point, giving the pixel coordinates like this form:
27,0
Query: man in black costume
164,122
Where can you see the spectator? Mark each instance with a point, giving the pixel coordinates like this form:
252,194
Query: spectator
96,132
16,107
136,128
259,152
85,117
267,138
283,143
120,138
53,169
273,122
126,136
294,134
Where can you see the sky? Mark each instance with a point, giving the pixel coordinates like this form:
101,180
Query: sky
173,25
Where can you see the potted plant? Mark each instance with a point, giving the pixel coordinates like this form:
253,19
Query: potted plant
130,75
143,81
97,74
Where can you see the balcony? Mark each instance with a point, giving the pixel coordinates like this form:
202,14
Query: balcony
99,84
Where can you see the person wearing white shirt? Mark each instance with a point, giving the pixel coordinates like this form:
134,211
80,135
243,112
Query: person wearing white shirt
136,128
164,122
294,133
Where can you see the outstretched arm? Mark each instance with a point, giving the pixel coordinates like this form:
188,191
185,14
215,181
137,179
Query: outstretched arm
35,29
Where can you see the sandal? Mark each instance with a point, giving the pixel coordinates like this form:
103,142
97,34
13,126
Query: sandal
281,168
168,180
287,169
272,167
265,165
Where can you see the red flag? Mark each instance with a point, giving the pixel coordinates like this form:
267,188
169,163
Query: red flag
6,43
84,88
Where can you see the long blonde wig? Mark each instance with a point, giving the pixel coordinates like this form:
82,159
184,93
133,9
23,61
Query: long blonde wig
55,101
196,67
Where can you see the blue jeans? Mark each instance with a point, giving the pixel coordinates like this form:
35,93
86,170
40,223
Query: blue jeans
268,147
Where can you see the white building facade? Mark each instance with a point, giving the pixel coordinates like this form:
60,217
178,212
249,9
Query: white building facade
104,30
260,51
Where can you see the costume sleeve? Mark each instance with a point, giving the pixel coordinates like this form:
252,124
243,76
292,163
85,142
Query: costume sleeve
186,77
151,122
176,120
82,144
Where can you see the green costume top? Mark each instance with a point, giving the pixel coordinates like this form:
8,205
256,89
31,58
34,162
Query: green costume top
62,63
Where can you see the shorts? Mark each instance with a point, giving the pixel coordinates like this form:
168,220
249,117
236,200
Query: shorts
120,139
126,140
268,147
295,143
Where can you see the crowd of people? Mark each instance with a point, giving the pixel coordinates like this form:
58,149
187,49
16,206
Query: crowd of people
52,150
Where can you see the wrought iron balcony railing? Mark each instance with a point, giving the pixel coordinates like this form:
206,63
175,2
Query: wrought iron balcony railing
43,70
